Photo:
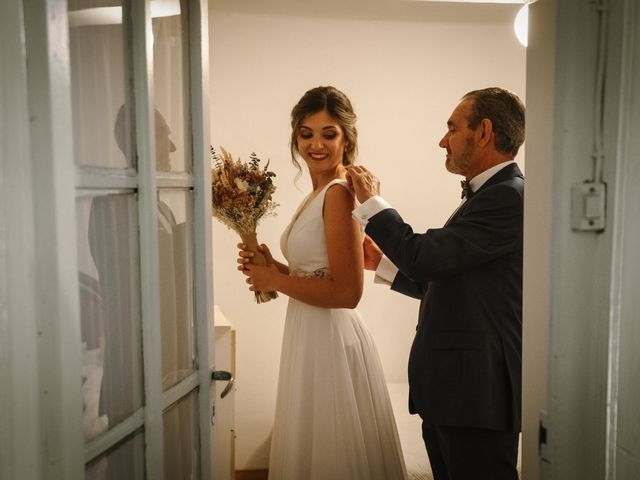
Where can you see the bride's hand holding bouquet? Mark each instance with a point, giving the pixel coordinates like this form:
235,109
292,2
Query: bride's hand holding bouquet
260,277
241,194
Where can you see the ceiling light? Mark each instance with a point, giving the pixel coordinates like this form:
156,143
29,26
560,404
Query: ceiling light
521,25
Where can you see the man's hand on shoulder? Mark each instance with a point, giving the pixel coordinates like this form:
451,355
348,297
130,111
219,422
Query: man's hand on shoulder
363,183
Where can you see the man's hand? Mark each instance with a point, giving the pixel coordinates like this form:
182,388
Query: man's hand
364,183
372,254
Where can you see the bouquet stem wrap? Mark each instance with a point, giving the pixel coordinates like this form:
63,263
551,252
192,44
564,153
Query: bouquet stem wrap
251,242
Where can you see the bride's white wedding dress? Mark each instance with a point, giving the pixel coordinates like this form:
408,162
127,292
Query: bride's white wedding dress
333,414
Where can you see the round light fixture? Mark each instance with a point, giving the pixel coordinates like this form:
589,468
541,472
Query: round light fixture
521,24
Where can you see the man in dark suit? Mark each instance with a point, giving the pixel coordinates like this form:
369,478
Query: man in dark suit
466,359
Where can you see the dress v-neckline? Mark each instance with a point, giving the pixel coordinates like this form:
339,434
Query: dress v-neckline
310,199
306,203
304,206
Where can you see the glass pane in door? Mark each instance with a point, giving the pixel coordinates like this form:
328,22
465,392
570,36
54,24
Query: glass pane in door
108,259
181,439
125,461
175,242
102,126
171,86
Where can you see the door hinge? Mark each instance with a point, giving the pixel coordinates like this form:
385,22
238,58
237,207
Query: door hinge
543,436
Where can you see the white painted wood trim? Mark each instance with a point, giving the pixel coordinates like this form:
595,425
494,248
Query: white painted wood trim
174,180
56,282
180,390
142,43
537,227
20,434
622,216
203,268
103,178
103,442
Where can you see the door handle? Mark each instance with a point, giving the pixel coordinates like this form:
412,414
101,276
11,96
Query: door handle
223,376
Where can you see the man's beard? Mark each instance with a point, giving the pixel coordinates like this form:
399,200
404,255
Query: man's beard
461,164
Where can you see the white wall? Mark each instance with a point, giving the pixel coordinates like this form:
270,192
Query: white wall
404,65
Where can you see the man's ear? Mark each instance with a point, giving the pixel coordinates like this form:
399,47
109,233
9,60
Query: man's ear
486,132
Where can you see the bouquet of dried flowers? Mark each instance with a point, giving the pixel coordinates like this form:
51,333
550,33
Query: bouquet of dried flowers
241,194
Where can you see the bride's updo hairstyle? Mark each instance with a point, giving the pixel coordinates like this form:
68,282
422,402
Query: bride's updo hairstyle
338,106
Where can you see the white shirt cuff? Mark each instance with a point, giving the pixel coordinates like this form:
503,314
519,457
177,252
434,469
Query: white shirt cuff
368,209
386,272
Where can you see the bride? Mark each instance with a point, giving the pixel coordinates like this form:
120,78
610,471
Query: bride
333,416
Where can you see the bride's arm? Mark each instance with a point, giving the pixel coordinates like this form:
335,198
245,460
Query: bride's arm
343,288
282,268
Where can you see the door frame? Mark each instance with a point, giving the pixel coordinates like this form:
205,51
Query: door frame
40,345
579,307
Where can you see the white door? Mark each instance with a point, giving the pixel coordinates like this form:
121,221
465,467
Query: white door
117,151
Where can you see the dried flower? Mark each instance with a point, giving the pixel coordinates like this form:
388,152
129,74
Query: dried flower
241,194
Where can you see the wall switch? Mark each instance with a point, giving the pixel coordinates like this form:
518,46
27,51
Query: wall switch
588,206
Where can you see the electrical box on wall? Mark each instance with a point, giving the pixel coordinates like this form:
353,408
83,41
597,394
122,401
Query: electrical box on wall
588,206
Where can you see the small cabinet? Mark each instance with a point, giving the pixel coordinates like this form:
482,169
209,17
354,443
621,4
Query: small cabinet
223,433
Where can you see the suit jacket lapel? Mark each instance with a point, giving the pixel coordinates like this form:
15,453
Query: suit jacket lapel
510,171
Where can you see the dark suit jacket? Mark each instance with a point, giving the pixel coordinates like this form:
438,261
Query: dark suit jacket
466,359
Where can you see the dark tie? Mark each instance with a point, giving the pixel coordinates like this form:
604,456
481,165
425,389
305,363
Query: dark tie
466,190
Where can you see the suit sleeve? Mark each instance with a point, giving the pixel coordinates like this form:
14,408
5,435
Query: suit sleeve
488,227
403,284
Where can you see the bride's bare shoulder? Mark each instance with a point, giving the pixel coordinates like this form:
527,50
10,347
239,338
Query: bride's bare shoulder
339,195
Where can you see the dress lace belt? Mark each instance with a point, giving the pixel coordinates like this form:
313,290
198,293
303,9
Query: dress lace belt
317,273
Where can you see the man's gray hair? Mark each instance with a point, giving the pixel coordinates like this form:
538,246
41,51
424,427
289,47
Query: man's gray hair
505,111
